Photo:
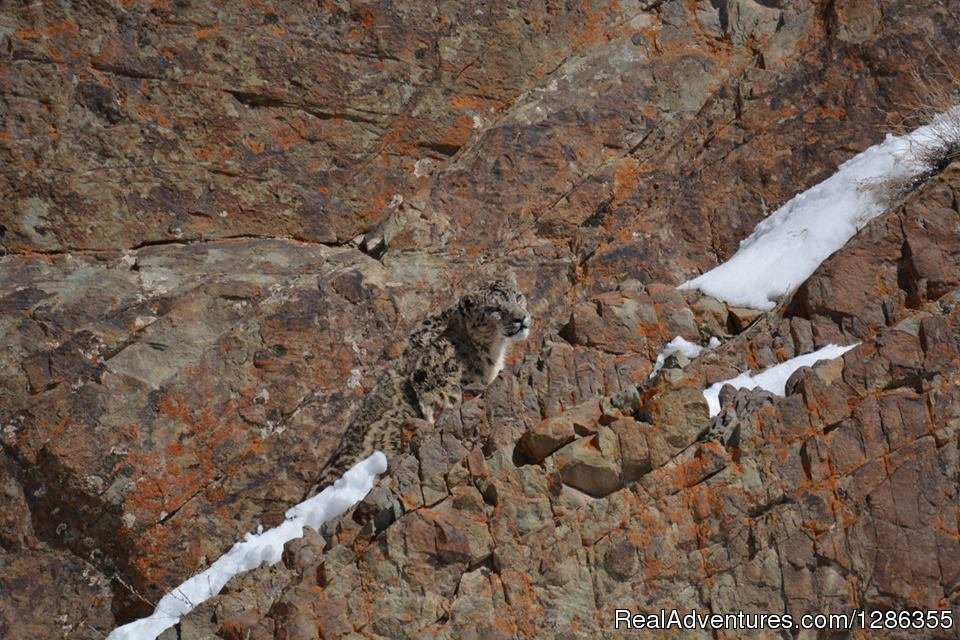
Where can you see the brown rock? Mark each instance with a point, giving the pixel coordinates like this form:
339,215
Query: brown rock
551,434
740,318
635,458
939,348
16,530
26,609
828,401
678,416
222,224
592,464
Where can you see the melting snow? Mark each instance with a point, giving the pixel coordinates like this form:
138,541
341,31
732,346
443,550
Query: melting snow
788,246
773,379
256,549
687,348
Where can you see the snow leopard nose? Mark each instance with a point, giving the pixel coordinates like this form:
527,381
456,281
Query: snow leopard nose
519,324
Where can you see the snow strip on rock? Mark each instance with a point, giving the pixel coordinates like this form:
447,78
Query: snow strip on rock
256,549
788,246
687,348
773,379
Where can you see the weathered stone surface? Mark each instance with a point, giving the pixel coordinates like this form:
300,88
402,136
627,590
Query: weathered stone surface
634,455
30,571
785,518
551,434
592,464
223,219
678,415
740,318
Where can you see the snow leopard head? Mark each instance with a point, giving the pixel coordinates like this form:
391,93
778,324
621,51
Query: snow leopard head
497,309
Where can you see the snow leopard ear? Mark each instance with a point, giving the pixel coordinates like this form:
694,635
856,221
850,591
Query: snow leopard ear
512,278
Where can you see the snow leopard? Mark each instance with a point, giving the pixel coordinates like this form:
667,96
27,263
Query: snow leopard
462,346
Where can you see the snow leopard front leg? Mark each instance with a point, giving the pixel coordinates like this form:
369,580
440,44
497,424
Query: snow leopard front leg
435,380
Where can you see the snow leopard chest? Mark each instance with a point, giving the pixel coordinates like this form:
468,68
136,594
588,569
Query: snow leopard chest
494,361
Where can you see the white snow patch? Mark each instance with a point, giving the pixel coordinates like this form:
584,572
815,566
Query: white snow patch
773,379
788,246
256,549
684,346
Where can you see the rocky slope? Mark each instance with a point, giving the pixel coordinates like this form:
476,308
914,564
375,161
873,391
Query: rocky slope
223,220
844,494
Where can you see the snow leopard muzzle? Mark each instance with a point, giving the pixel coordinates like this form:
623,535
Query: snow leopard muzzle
518,327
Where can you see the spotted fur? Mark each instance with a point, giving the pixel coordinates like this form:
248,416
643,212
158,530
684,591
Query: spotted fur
461,346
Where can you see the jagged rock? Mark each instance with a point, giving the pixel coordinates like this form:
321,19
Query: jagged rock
711,315
680,510
740,318
634,456
627,401
939,348
611,323
678,416
378,510
727,394
190,317
28,578
737,407
592,464
796,497
747,19
551,434
676,360
825,398
16,530
436,453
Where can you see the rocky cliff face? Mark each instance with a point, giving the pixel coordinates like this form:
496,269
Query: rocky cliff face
222,220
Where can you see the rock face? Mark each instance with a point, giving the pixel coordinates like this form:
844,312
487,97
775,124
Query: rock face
223,219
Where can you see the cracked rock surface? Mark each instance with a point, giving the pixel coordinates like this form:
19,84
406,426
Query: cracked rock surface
222,220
